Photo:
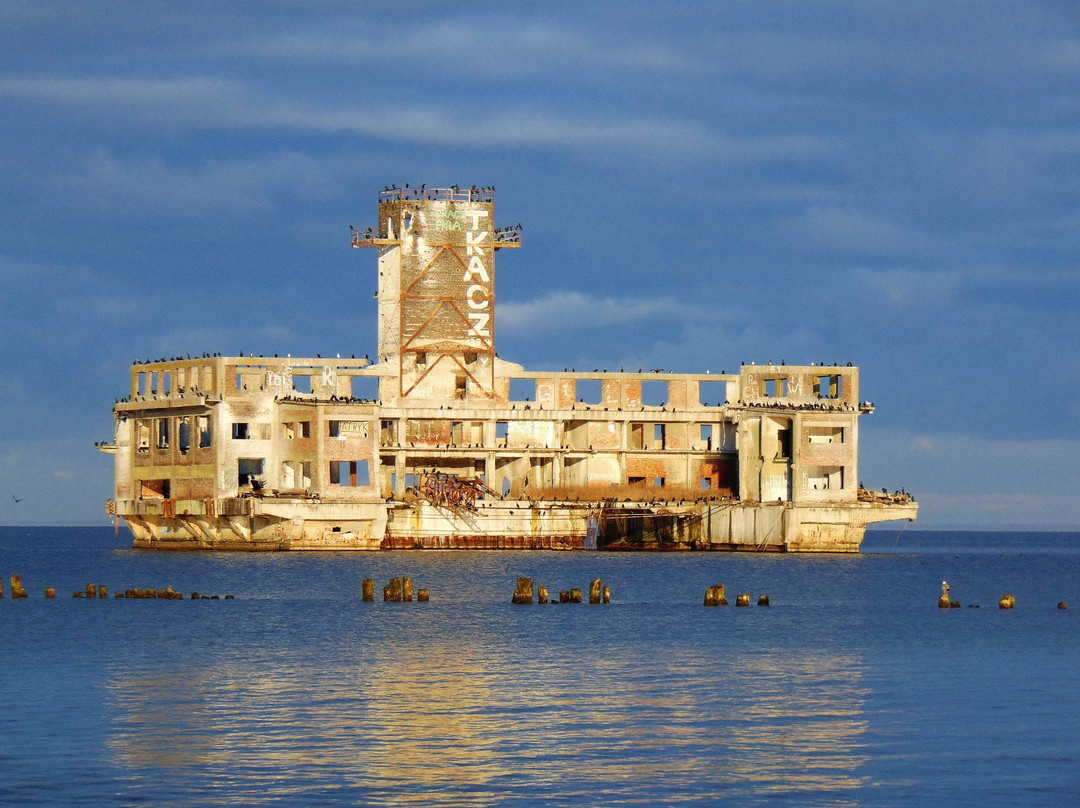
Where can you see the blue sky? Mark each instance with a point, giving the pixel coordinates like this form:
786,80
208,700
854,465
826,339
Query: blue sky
895,185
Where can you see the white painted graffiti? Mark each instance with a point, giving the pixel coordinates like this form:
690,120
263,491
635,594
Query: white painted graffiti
282,378
478,294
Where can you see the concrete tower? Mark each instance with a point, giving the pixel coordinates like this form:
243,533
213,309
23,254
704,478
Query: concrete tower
437,291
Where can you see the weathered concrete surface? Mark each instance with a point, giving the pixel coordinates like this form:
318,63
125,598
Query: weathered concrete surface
284,453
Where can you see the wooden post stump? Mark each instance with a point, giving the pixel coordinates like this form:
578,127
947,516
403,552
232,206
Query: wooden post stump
763,600
943,601
714,596
575,596
524,591
392,591
17,590
607,594
50,592
1063,605
564,596
595,591
743,599
103,591
541,594
91,591
406,589
1007,601
422,596
368,589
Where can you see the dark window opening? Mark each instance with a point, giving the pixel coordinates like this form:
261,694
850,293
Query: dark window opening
783,439
249,472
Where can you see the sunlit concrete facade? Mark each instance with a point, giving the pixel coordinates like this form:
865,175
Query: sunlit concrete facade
332,453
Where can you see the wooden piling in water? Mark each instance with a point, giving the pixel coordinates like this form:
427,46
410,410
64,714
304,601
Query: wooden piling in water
1063,605
541,594
1007,601
90,591
714,596
763,600
575,596
392,591
50,593
524,592
406,589
564,596
743,599
17,590
595,591
607,594
367,587
422,596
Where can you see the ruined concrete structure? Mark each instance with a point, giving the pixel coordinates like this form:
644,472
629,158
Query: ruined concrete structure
442,444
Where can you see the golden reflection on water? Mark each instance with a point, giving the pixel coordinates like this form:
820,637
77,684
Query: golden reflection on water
459,718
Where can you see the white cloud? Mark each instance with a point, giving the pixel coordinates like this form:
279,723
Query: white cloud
573,311
840,230
209,103
976,480
509,47
139,186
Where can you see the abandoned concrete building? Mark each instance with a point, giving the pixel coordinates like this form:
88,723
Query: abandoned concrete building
440,444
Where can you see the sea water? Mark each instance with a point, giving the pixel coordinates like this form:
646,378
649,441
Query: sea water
851,689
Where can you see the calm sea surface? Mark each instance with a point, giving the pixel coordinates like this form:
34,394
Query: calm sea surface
851,689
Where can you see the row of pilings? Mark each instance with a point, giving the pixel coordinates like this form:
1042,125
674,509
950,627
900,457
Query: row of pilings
715,596
399,590
523,593
1006,601
99,591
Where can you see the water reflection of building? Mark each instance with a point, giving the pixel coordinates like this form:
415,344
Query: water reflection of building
460,710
